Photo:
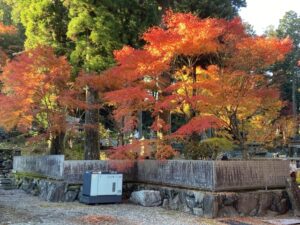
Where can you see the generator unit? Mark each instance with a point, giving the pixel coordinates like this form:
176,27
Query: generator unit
102,187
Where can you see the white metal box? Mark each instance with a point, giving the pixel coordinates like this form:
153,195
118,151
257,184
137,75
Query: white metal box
102,187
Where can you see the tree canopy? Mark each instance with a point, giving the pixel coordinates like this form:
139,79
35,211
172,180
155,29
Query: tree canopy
33,83
190,61
207,69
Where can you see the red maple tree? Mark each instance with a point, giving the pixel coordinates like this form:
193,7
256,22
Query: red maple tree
209,70
32,86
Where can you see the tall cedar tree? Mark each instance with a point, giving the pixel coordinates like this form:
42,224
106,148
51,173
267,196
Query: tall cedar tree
285,73
98,28
45,23
215,69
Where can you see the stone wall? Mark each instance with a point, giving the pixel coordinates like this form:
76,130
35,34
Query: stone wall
49,166
6,165
200,203
74,169
179,173
219,204
48,190
243,175
6,161
196,187
195,174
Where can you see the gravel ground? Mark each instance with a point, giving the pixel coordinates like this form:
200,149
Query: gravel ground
18,208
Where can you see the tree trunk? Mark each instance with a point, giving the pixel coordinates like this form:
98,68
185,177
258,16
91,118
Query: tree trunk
91,145
294,101
57,144
140,124
244,148
122,135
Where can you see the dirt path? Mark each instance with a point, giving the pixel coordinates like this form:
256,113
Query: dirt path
18,208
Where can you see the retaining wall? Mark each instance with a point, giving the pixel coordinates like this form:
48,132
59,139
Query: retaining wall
242,175
197,202
51,166
193,174
6,161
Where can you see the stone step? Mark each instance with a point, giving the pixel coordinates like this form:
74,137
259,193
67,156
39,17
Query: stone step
7,184
5,181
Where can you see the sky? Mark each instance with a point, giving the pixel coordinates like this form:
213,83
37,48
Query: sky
262,13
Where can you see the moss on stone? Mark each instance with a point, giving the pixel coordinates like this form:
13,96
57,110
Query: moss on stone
29,175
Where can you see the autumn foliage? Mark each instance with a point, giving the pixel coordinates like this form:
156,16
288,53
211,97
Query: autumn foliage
209,70
33,83
7,29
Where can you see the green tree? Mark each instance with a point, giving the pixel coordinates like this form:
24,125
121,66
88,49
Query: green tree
10,44
286,73
93,29
205,8
45,23
97,28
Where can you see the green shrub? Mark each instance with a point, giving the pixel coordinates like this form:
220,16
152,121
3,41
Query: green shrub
207,149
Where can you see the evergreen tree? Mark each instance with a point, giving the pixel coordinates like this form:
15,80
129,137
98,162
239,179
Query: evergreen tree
286,73
45,23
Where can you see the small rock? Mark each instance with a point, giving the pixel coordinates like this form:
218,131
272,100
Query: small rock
190,201
175,203
227,211
71,196
198,211
282,206
271,213
147,198
35,191
5,181
74,187
7,164
165,203
199,198
230,199
253,212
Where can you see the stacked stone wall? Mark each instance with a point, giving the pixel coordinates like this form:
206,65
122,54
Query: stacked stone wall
6,166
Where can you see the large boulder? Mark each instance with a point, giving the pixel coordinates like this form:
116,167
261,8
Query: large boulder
147,198
52,191
247,204
265,203
210,206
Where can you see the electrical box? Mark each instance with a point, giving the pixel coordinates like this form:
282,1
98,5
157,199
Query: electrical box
102,187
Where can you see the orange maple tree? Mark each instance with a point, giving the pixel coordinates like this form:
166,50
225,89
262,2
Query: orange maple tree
209,70
7,29
33,83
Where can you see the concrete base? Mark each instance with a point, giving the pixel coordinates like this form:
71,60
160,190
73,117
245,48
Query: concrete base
100,199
